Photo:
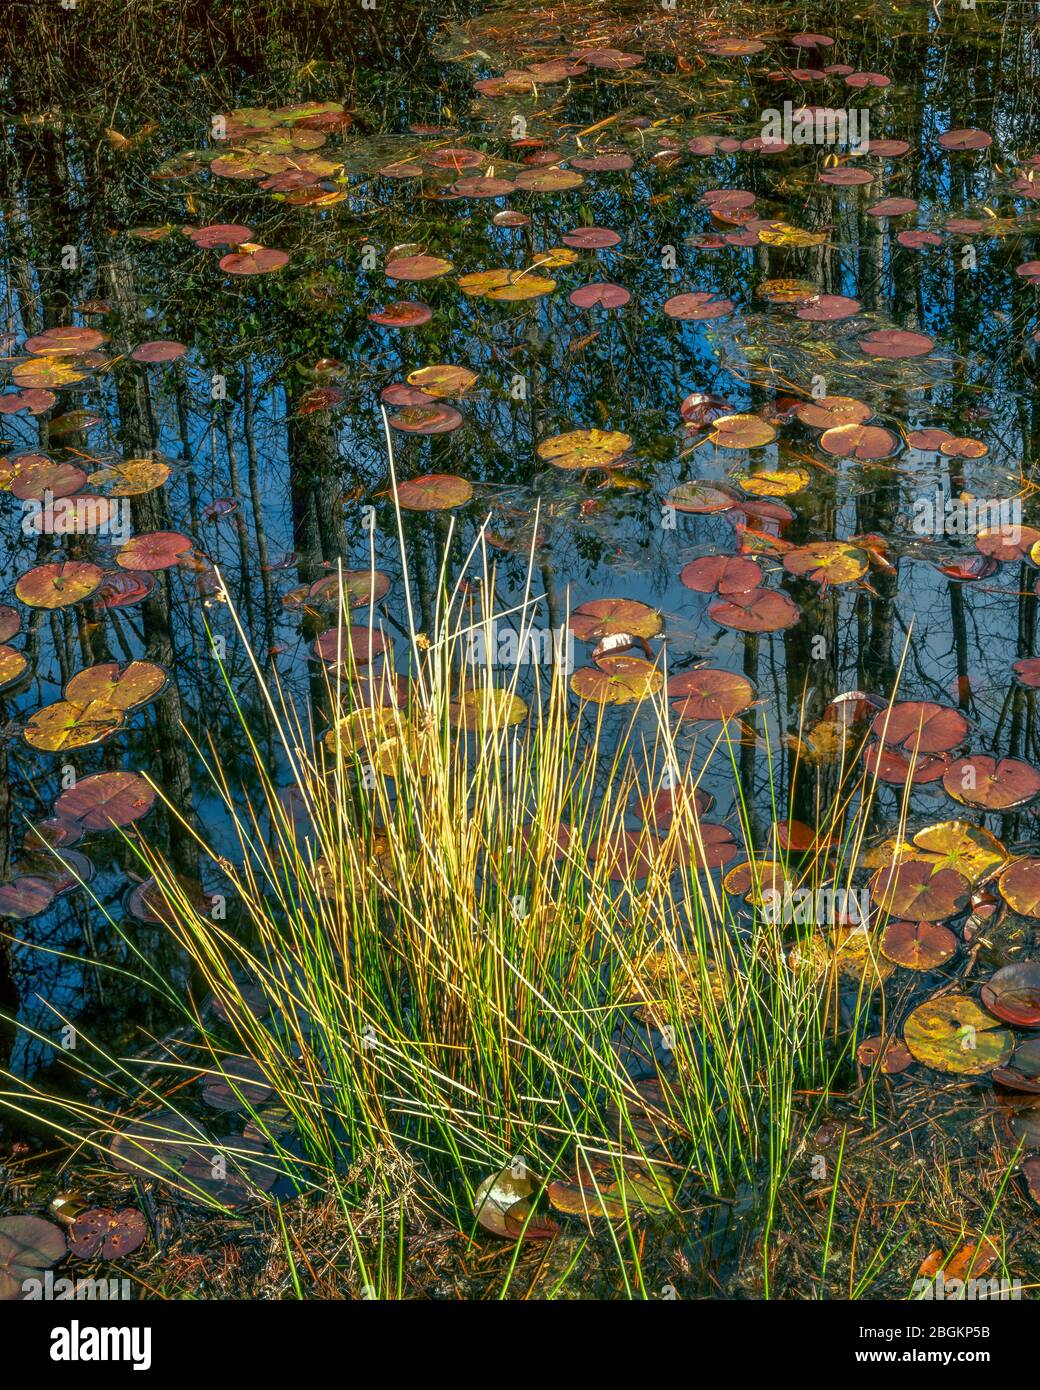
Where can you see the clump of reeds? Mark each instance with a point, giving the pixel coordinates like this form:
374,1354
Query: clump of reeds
466,955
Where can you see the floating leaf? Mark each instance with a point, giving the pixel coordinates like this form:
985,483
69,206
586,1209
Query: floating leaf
237,1083
863,442
773,482
442,380
13,665
58,585
591,238
827,562
889,1055
28,1246
965,140
757,610
24,897
259,260
1019,886
403,313
124,688
617,680
954,844
920,726
65,341
42,477
487,708
106,799
158,351
741,432
697,306
426,419
599,1193
920,892
506,286
898,767
918,945
1013,994
991,785
106,1233
129,477
339,645
707,693
585,449
600,294
896,343
700,497
952,1034
417,268
502,1205
61,727
603,617
155,550
832,412
434,492
722,574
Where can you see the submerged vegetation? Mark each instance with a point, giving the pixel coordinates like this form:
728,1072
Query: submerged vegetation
519,651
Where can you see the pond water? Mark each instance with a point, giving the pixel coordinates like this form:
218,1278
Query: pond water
818,358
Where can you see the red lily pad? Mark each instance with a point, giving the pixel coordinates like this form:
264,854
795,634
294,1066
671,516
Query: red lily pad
920,726
434,492
708,693
896,343
106,799
915,890
697,306
105,1233
416,268
591,238
58,585
968,139
158,351
1019,886
600,294
605,617
896,767
889,1055
863,442
918,945
829,308
722,574
981,781
1013,994
435,418
36,479
65,341
220,234
154,550
758,610
403,313
124,588
259,262
341,645
25,897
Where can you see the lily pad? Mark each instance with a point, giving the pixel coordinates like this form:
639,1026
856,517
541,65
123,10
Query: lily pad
28,1246
952,1034
106,799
